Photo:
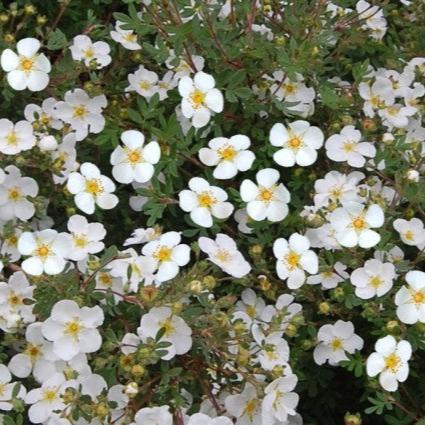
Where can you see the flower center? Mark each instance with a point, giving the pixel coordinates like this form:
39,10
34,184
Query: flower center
168,326
197,98
222,255
32,351
130,37
80,111
94,186
206,200
409,235
163,254
294,143
289,88
88,53
145,85
134,157
80,241
375,281
105,279
392,362
42,251
73,328
12,139
49,395
336,344
375,101
14,299
266,195
14,194
26,64
227,153
358,223
418,297
336,192
292,260
348,146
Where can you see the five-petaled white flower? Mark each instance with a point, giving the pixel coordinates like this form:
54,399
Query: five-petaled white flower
176,331
267,199
294,258
91,188
159,415
390,361
412,232
200,98
73,329
15,138
27,69
169,254
134,161
334,341
410,300
353,224
375,278
13,195
86,238
224,253
47,250
228,155
204,202
346,146
298,142
92,54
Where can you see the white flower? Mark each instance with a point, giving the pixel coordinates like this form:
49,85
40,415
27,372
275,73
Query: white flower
202,419
334,341
46,399
353,222
224,253
177,332
83,49
200,98
204,202
15,138
375,278
336,187
243,220
410,300
294,258
390,361
14,297
13,195
27,69
330,278
7,388
268,199
168,254
346,146
183,68
252,305
90,188
279,401
86,237
274,350
298,142
153,416
37,357
168,82
228,156
44,115
135,160
377,95
413,175
141,236
246,406
47,250
412,232
396,115
127,38
73,329
143,82
82,113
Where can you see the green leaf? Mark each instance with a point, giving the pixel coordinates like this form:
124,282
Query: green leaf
56,40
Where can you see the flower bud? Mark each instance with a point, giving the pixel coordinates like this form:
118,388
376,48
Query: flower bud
131,389
393,326
9,38
47,143
209,281
324,308
41,19
4,17
352,419
29,9
137,370
314,220
291,330
369,124
264,282
196,286
412,175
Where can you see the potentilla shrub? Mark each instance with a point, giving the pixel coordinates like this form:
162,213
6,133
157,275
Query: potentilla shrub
212,212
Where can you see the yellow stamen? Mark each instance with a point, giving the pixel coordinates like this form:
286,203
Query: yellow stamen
227,153
94,186
163,254
206,200
197,98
